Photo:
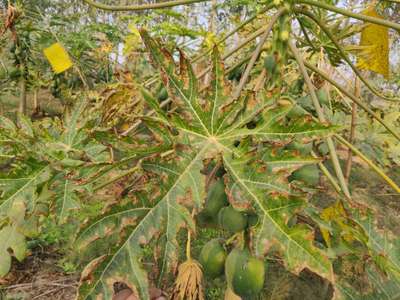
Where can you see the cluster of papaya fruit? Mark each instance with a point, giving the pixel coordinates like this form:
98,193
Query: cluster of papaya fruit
244,273
218,212
20,53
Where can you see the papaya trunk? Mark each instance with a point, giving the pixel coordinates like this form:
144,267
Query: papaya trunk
22,97
352,129
35,101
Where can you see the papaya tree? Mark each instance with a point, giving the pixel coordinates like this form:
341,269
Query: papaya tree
254,136
238,144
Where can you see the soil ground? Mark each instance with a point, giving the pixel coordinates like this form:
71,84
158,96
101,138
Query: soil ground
37,278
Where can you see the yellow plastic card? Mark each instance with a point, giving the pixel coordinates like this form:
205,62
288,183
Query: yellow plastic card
375,39
58,58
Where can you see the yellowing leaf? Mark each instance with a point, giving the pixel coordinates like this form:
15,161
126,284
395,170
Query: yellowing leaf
132,40
58,58
375,39
337,214
334,212
10,238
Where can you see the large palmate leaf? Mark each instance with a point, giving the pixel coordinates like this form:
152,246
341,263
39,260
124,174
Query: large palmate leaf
22,187
59,158
180,183
205,123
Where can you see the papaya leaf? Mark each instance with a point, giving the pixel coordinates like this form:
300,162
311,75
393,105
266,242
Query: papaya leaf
384,247
24,187
181,182
66,198
182,89
206,124
10,238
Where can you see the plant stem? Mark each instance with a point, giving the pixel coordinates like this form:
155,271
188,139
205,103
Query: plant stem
344,55
250,38
352,98
232,32
35,101
321,117
141,6
328,174
304,31
189,240
256,55
228,35
22,97
352,129
350,14
112,180
377,169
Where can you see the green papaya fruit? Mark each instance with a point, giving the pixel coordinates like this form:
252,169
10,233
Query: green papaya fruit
323,148
308,174
270,64
244,274
232,220
212,258
162,94
252,220
216,198
203,220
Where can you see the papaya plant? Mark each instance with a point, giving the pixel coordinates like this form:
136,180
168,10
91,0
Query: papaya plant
240,149
249,134
215,129
50,166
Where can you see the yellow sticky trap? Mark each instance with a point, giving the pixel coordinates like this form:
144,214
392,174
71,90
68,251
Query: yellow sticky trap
375,39
58,58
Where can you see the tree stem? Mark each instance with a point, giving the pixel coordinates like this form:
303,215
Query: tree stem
377,169
256,55
22,97
142,6
352,129
35,101
352,98
350,14
321,117
344,55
